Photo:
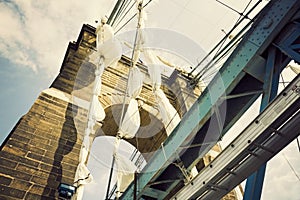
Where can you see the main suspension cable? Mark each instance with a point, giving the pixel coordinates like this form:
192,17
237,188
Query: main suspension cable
123,15
131,18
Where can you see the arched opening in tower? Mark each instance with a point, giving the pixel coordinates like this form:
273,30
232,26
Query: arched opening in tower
149,136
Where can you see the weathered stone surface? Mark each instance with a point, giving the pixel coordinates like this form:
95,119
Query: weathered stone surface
11,192
5,180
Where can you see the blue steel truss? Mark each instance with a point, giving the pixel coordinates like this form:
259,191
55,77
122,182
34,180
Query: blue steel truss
251,70
284,48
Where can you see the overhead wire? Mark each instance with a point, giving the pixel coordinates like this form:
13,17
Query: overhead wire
291,167
220,42
131,18
225,51
240,13
124,2
122,16
222,56
114,11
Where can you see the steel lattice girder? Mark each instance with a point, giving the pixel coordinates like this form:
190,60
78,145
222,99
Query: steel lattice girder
289,42
270,132
284,48
276,60
240,74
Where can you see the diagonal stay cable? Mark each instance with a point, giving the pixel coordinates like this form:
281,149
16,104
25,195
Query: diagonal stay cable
241,15
124,99
226,36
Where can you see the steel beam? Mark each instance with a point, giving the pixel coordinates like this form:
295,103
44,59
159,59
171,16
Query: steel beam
254,183
232,79
264,137
287,44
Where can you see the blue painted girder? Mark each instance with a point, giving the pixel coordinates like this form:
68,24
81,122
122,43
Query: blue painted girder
289,43
271,81
240,73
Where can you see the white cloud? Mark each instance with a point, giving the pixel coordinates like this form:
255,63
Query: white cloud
13,42
37,33
280,181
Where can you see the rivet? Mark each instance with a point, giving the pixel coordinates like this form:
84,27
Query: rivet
284,94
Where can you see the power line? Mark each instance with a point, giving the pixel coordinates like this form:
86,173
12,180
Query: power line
114,11
241,15
123,15
298,144
119,11
231,8
131,18
291,166
221,42
220,55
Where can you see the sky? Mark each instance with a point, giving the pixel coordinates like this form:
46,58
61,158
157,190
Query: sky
34,36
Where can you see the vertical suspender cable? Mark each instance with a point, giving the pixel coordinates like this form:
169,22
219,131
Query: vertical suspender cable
124,99
110,177
135,186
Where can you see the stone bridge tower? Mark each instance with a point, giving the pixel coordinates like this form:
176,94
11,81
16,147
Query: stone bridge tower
43,148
